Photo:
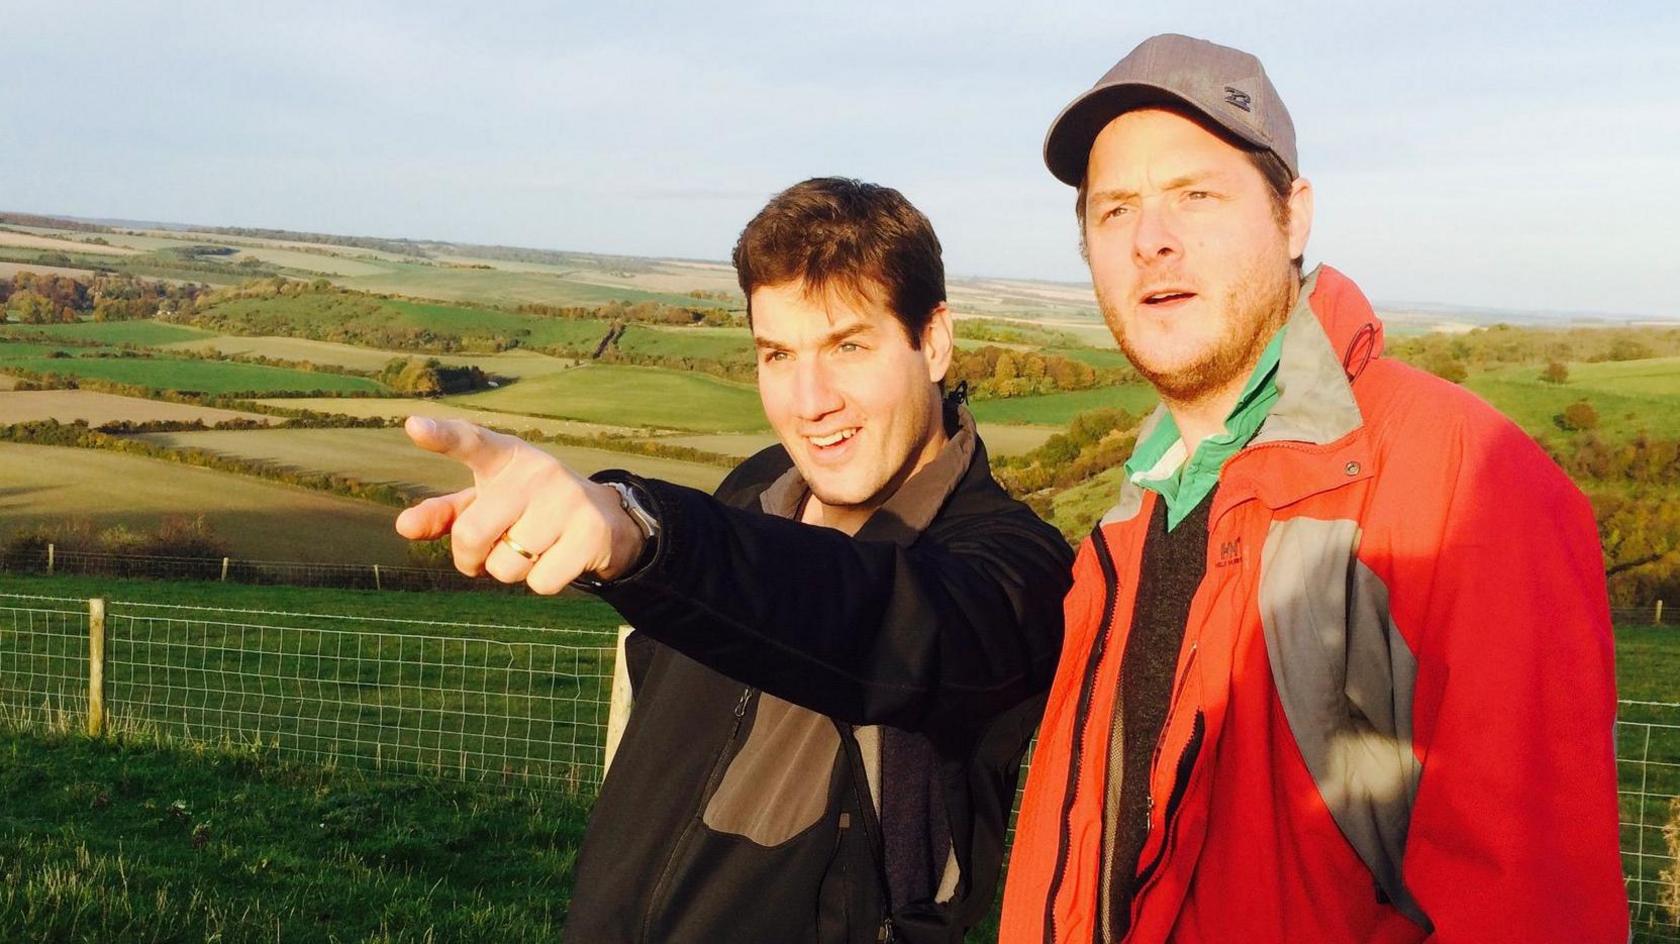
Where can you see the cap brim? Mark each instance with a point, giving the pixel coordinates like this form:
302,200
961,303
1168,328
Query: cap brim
1067,147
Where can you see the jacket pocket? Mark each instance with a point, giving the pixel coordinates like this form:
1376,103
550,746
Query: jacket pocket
777,786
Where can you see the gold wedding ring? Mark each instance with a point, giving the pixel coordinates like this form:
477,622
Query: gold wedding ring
517,548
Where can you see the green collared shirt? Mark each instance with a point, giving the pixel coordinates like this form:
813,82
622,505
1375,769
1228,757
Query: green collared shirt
1158,463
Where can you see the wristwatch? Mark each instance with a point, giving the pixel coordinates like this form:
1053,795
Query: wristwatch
629,499
632,505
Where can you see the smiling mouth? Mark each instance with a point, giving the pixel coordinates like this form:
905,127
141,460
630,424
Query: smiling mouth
832,439
1167,298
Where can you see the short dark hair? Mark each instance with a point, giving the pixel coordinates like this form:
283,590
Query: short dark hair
840,233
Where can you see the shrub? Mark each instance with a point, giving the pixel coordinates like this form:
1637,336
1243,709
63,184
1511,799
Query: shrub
1556,372
1448,368
1576,417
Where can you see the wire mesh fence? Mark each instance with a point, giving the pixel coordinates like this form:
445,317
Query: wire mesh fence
1648,768
1655,614
528,705
474,701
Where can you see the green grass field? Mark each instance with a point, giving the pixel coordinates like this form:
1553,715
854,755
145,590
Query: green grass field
95,408
517,364
718,344
1095,356
399,407
185,374
142,333
1056,409
18,350
513,286
365,319
131,840
1630,396
631,396
49,485
387,455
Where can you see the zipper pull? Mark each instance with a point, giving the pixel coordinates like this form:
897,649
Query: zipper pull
741,703
1149,813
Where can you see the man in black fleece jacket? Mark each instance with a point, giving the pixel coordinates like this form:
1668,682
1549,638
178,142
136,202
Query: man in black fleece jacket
839,658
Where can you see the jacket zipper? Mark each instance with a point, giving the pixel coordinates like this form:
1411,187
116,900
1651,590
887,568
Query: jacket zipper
1081,718
705,795
1181,786
886,931
1161,739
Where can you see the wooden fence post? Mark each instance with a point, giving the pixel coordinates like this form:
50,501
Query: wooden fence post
1656,620
96,667
224,569
376,583
618,710
52,552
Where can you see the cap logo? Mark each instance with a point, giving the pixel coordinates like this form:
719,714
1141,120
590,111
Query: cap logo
1238,98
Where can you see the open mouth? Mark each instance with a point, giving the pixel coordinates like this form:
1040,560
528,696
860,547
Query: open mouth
1167,298
833,439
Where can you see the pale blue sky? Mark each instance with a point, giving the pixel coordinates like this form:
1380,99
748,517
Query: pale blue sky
1515,155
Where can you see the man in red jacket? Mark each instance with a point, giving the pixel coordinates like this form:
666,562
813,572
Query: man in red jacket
1338,663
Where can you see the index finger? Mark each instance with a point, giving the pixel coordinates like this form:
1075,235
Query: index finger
479,449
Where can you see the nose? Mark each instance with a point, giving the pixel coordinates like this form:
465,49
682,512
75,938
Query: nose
814,393
1153,236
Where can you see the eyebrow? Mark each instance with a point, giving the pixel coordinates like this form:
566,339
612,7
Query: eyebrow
832,338
1177,183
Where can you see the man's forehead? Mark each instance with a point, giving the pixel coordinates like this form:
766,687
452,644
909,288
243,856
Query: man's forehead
800,306
1162,137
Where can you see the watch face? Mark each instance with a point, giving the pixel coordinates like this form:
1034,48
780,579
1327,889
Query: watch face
633,506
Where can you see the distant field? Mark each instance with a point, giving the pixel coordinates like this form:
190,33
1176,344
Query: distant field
9,269
309,261
740,445
48,485
66,406
1655,377
146,243
496,286
215,377
341,317
143,333
1629,396
1096,357
386,455
632,396
715,344
1056,409
33,241
1010,440
518,364
404,406
12,350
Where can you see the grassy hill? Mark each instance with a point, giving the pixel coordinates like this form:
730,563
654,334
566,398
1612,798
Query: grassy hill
631,396
50,485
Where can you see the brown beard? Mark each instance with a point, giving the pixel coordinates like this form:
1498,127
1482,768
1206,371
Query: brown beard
1261,306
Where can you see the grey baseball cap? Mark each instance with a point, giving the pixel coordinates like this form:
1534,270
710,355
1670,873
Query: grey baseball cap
1226,86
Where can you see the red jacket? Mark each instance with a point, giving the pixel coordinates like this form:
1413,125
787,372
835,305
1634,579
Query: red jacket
1393,712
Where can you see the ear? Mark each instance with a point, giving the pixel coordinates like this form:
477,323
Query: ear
1300,216
937,340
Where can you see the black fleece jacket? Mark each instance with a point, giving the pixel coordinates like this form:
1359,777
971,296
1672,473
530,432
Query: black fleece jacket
950,631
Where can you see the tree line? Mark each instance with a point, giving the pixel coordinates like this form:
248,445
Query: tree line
49,298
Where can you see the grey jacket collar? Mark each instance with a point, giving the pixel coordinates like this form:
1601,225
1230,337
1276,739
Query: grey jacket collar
908,512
